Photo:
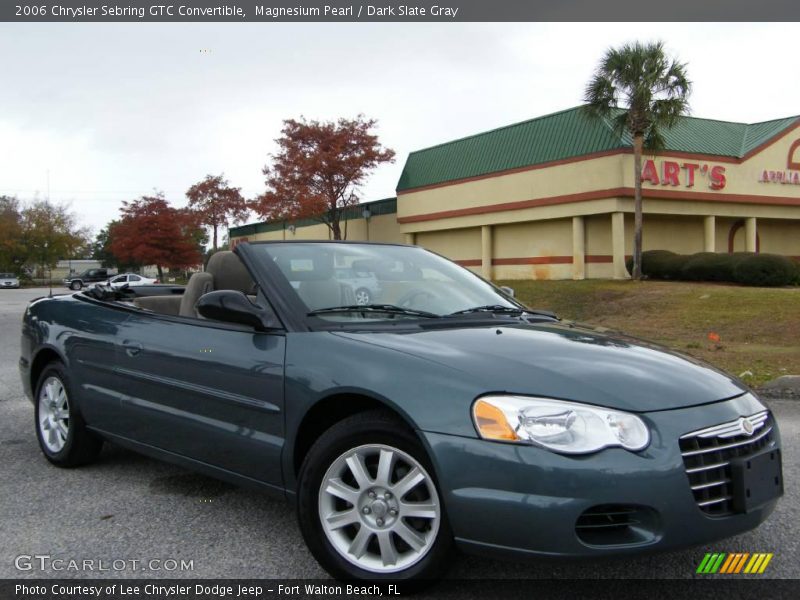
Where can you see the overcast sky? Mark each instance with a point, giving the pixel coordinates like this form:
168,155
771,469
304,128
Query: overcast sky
114,111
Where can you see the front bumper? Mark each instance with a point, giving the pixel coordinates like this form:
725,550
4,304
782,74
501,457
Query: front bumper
510,499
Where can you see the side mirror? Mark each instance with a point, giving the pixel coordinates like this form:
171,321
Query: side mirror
509,291
232,307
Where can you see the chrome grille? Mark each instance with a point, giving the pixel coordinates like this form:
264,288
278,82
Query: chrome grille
707,454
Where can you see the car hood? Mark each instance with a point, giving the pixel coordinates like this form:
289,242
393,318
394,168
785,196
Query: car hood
566,361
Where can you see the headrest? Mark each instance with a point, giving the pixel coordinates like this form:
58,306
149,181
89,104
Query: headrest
229,273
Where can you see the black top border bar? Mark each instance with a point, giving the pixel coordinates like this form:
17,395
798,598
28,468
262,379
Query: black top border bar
242,11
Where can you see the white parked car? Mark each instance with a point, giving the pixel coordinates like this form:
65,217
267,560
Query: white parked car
8,280
131,279
364,284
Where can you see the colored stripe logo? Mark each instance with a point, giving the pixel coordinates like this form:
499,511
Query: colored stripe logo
734,563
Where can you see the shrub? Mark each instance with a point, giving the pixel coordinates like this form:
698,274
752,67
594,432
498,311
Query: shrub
745,268
765,270
709,266
662,264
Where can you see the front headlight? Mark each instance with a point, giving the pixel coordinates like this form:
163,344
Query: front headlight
560,426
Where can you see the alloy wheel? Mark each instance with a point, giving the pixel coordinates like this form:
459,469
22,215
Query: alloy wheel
53,414
379,508
363,297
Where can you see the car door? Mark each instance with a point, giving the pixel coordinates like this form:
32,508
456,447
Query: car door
91,332
209,391
118,281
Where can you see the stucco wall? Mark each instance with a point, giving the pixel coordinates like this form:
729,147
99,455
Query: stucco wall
683,235
526,240
571,178
456,244
597,230
779,236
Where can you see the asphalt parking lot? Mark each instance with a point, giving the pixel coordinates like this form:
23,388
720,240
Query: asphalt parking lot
127,507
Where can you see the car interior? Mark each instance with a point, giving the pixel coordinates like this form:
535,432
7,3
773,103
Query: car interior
224,271
312,272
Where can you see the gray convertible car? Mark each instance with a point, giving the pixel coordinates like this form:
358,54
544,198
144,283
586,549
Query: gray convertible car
441,414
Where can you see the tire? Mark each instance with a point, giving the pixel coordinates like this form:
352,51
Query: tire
363,296
60,429
371,436
75,285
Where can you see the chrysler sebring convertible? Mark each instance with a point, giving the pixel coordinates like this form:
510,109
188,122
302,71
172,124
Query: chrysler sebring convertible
441,414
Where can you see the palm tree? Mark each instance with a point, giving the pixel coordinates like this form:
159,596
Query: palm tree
639,89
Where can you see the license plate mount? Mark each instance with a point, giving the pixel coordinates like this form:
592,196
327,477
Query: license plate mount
757,479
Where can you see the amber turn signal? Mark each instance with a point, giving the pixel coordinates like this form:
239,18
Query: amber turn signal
492,423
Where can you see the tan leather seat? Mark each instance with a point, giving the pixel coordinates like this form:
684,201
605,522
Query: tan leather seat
199,284
224,272
230,273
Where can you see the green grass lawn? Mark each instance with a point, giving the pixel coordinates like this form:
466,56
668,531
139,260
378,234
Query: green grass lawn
758,328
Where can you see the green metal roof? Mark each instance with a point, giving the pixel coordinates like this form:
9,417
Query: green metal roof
387,206
567,134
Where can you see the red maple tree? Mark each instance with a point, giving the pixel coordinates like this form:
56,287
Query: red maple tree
151,232
318,169
216,203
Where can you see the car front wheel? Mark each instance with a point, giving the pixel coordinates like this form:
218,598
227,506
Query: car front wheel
60,429
363,297
368,504
75,285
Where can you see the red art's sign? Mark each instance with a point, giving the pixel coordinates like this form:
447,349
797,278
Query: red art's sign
683,174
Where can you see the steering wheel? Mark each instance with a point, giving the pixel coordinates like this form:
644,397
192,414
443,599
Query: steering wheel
406,299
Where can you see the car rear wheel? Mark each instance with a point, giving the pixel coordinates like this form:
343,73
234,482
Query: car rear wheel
60,429
368,503
75,285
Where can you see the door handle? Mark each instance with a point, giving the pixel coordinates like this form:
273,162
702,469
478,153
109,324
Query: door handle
132,348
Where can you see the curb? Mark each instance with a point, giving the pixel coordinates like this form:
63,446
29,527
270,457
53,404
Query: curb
786,387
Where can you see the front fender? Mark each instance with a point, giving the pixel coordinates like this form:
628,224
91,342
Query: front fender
429,396
38,345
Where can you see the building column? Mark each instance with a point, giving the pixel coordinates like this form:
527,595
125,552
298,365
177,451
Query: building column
750,235
578,248
486,251
410,239
709,234
618,245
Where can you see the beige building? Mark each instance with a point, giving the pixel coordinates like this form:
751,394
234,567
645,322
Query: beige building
552,198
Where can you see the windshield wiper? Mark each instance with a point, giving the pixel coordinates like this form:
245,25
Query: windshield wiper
506,310
492,308
375,308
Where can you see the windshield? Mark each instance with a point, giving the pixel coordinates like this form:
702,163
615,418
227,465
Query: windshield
7,276
383,279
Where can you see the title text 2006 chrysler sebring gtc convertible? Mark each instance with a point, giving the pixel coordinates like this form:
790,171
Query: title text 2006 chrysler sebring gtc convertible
434,412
